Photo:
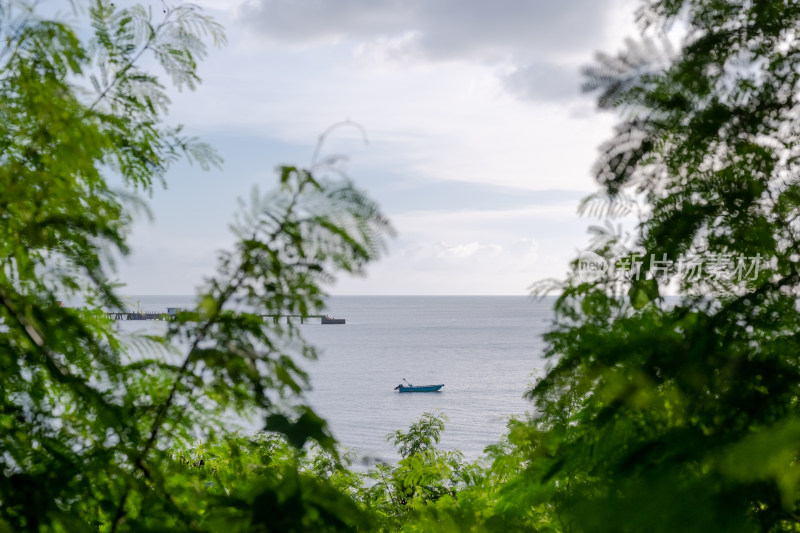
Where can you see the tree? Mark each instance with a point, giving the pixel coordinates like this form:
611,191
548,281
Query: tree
666,415
88,431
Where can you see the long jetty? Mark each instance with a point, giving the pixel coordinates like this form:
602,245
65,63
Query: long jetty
134,315
173,311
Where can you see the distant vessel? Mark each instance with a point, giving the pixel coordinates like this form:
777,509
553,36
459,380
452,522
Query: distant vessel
418,388
329,320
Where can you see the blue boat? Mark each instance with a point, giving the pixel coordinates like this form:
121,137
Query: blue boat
418,388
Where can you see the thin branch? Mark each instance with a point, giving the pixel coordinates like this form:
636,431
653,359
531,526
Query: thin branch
154,32
182,371
324,135
120,73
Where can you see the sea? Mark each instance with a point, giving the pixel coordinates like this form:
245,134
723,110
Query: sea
486,350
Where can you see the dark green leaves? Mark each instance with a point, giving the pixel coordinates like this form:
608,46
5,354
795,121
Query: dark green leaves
306,427
422,436
666,413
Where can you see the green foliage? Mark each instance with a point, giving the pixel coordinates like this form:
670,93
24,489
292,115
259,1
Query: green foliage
654,414
421,436
681,415
87,428
262,483
424,473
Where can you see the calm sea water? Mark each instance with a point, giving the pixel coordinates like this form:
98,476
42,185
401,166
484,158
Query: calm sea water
485,349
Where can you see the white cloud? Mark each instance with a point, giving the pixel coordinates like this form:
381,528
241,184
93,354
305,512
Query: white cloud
452,122
448,91
470,251
474,29
542,43
476,252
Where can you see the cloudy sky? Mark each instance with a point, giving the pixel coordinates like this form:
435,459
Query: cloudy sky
479,148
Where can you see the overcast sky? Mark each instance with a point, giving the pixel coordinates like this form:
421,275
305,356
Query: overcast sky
479,149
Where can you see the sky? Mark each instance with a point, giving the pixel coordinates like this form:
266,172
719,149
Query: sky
479,143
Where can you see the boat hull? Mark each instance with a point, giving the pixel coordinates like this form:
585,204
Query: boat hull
328,320
420,388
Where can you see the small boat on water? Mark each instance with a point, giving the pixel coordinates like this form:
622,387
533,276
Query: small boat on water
418,388
330,320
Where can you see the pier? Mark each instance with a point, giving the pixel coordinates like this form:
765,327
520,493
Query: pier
132,315
173,311
276,318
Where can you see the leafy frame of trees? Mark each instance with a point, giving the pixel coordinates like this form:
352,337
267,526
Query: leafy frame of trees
654,415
